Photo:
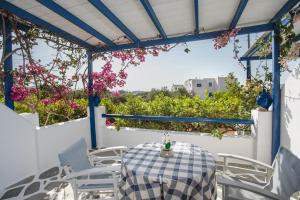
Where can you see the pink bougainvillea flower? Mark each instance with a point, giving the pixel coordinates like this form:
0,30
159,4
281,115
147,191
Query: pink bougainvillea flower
115,94
123,74
19,93
108,122
224,39
46,101
73,105
49,86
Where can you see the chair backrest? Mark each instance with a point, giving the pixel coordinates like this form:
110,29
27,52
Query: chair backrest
286,175
76,156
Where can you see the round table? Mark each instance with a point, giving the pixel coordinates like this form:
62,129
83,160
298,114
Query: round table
190,174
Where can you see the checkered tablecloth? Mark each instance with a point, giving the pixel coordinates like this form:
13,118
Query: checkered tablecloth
190,174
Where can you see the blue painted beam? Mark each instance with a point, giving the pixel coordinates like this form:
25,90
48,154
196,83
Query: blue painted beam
285,9
254,50
51,5
187,38
39,22
19,26
248,70
101,7
248,62
8,78
196,13
180,119
246,58
276,116
91,101
153,17
238,13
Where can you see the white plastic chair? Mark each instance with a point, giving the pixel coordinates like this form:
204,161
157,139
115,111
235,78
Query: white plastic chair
86,174
107,156
282,178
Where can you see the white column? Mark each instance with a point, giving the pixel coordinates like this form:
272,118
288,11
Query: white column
262,133
100,125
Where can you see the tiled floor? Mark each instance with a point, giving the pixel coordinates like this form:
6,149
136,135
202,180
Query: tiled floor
37,187
48,185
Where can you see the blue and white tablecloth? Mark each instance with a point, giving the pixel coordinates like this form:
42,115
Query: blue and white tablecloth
190,174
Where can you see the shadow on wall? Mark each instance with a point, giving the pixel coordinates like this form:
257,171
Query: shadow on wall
290,108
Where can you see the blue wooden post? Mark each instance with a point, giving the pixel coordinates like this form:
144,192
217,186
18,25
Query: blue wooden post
276,92
248,70
8,78
248,62
91,101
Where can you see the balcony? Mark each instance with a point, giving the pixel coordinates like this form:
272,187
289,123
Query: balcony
30,167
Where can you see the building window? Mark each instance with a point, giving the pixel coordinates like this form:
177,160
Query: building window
199,85
210,84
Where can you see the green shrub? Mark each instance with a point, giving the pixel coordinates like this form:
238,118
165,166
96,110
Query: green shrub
234,103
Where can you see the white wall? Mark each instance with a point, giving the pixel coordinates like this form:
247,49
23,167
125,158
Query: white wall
18,157
290,113
32,117
218,84
55,138
262,133
26,149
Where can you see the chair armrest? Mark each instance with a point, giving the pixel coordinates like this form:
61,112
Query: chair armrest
236,184
120,148
95,170
245,159
98,158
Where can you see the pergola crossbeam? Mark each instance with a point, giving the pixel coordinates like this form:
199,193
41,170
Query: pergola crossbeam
51,5
238,13
153,17
186,38
285,8
101,7
196,12
255,58
33,19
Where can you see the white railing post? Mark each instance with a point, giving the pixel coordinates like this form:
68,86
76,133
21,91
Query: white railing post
262,133
32,117
100,125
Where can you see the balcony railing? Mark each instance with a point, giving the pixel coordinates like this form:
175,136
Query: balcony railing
180,119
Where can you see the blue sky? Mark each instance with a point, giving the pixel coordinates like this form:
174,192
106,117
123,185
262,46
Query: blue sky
176,66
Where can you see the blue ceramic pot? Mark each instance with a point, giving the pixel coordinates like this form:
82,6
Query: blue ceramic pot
264,99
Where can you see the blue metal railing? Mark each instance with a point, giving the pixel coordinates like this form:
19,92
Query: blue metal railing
180,119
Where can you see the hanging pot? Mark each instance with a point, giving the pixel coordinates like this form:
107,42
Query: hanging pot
264,99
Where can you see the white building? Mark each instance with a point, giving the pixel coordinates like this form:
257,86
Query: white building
176,87
199,86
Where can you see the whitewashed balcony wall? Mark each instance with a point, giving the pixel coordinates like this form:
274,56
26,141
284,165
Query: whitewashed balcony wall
27,149
18,152
290,113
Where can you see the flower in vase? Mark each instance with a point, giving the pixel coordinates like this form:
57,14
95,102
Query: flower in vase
167,141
